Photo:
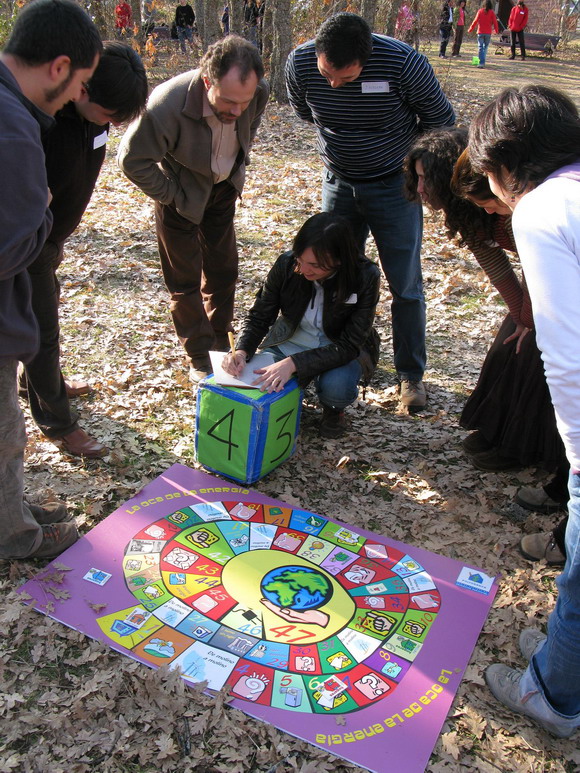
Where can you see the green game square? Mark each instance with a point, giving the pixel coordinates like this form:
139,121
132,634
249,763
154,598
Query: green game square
281,433
224,430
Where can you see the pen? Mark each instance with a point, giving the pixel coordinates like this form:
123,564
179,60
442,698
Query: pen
232,343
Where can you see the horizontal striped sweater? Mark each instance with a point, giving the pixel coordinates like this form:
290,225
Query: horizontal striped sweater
493,260
365,127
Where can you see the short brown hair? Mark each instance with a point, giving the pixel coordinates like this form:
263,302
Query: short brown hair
231,51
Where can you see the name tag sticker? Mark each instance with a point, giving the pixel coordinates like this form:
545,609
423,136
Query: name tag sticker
100,140
375,87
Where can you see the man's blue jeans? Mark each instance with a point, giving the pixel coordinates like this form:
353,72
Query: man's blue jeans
555,668
482,45
397,228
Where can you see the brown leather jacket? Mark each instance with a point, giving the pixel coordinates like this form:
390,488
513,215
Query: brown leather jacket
167,151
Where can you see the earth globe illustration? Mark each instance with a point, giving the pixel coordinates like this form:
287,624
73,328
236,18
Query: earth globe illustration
296,587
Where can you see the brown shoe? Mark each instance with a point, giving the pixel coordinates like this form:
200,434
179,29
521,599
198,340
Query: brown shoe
333,423
199,369
77,388
413,395
542,545
56,538
80,443
50,512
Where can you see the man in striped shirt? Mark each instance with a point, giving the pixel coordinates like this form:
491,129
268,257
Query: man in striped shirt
369,96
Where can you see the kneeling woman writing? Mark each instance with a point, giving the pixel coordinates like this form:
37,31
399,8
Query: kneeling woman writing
315,314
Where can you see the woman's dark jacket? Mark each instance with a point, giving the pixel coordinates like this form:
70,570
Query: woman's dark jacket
349,324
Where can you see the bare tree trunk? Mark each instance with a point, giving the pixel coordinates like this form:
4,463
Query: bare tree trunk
368,10
266,31
211,27
200,19
236,17
281,47
136,18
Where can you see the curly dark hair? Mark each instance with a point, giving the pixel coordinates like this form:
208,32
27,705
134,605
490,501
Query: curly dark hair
524,135
438,150
231,51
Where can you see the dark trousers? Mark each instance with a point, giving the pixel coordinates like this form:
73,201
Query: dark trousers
444,35
42,377
519,35
200,269
458,39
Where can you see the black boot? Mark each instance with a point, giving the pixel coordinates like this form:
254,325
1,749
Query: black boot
333,423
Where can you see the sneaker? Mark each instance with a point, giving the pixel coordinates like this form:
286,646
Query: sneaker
536,499
50,512
530,641
481,67
333,423
516,690
542,545
493,461
199,369
413,395
475,443
56,539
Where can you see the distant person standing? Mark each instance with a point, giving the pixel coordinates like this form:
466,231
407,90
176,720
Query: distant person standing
517,23
367,95
404,28
459,16
445,26
184,21
123,17
226,20
485,22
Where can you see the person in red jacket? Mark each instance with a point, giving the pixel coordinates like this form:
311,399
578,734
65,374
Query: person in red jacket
123,15
485,21
517,23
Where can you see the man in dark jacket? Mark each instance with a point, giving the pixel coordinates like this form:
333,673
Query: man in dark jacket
445,26
52,51
184,21
75,150
189,151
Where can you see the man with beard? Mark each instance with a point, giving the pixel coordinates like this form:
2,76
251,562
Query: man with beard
188,152
52,52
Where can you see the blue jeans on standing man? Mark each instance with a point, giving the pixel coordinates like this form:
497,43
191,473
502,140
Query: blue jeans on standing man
183,34
379,206
552,680
482,44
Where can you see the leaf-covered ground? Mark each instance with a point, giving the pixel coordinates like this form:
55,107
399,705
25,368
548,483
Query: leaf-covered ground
72,705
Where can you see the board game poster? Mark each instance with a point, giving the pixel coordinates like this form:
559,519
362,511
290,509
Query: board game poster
349,640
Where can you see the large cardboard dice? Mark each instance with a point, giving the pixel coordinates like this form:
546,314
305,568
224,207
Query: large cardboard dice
243,434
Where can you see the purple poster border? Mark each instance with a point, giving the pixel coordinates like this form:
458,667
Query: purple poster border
397,732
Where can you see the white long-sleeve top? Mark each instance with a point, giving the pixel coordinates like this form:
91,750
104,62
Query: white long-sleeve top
546,225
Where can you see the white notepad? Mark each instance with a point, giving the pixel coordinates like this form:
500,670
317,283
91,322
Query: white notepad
261,360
